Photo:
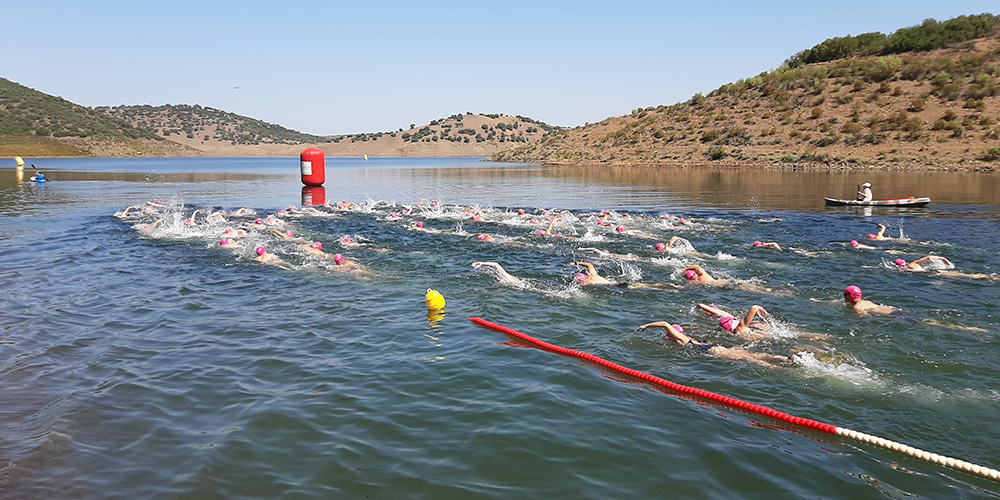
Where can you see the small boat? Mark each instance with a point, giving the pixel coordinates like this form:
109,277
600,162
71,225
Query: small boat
909,201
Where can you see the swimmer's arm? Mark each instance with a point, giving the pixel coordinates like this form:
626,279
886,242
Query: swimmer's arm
675,239
675,335
772,245
714,311
754,310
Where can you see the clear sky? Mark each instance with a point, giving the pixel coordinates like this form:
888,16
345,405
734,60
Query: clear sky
366,66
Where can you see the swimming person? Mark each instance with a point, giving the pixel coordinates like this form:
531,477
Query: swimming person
484,237
918,265
269,258
696,274
745,327
591,278
770,244
315,249
880,235
502,273
342,264
865,192
228,243
852,296
676,334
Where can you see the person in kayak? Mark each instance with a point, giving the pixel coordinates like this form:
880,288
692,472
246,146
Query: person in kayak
865,192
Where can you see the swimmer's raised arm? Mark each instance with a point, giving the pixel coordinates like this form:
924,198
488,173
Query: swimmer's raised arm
712,310
675,334
500,270
675,239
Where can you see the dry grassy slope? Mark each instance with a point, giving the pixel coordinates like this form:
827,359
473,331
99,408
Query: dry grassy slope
827,114
433,142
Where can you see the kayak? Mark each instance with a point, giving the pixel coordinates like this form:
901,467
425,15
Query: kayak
909,201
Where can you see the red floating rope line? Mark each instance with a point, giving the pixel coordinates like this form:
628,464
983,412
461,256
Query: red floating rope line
750,407
761,410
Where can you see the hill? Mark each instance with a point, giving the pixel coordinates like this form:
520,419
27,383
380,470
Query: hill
218,133
33,123
924,97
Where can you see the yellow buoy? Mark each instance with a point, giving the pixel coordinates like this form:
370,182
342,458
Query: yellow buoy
366,157
20,162
435,301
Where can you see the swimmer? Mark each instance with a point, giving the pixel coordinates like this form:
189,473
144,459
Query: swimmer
698,275
552,223
746,327
770,244
633,232
151,227
917,265
501,272
228,243
856,244
232,233
484,237
343,264
241,212
880,236
591,278
347,241
852,296
608,254
315,249
286,235
676,334
269,258
125,212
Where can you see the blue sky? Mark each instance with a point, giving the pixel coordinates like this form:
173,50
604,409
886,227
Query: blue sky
346,67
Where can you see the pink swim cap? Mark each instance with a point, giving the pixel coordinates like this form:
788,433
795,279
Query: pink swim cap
188,222
420,224
481,236
261,250
281,211
406,212
729,323
392,214
852,292
900,262
854,243
347,239
620,229
660,246
682,220
318,245
548,219
690,274
679,328
434,203
541,233
270,220
289,234
871,236
758,244
338,259
258,221
224,241
520,211
227,231
533,221
580,278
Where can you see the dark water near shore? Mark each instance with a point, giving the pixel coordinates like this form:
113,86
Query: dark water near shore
161,366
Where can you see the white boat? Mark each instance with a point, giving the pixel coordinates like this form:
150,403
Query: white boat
909,201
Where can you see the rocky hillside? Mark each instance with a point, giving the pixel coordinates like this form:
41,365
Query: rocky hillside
924,97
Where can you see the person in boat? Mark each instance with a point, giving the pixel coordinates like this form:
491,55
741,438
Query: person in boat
676,334
852,296
39,176
865,192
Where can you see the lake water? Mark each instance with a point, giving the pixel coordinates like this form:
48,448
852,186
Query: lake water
155,364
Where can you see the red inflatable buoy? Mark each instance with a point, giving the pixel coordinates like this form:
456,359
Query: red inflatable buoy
313,166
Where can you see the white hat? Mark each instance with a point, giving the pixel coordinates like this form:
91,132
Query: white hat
867,185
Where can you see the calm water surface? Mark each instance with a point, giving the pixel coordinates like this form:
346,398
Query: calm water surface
159,365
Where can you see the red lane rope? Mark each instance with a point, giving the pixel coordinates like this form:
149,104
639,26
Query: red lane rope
761,410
